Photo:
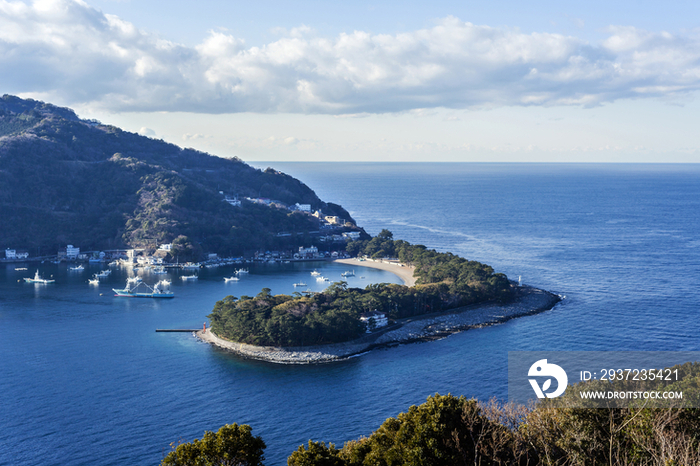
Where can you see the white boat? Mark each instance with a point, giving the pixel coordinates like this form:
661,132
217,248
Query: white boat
103,274
131,291
134,280
20,268
94,281
37,279
231,279
165,282
78,268
189,277
321,278
239,271
300,284
315,273
348,274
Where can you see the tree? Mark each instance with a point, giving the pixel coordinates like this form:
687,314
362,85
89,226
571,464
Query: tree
232,445
317,454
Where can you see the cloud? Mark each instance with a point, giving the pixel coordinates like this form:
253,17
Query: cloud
80,56
147,132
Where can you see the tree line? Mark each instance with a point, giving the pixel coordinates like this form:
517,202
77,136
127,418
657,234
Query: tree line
455,431
444,281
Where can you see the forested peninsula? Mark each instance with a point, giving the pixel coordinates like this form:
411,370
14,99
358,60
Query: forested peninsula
444,281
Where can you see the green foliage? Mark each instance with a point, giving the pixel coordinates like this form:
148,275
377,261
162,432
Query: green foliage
333,316
65,180
231,445
317,454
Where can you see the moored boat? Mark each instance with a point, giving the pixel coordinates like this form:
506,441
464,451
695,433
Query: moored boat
132,291
38,279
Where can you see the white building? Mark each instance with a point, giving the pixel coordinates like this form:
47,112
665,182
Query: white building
72,252
166,247
302,207
10,254
374,320
310,251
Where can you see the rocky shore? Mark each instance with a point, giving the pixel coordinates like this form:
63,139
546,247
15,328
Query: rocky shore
528,301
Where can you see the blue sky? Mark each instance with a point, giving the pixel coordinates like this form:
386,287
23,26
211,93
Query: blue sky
392,81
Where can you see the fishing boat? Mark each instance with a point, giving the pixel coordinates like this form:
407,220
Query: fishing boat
231,279
189,277
37,279
94,281
132,291
134,280
239,271
315,273
78,268
348,274
103,274
320,278
300,284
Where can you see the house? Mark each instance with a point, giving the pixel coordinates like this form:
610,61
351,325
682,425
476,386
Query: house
302,207
351,235
307,252
166,247
374,320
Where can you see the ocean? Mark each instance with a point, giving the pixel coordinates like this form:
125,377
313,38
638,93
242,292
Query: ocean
85,379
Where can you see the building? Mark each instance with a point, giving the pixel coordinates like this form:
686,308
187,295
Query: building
374,320
10,254
308,252
70,252
234,201
166,247
302,207
351,235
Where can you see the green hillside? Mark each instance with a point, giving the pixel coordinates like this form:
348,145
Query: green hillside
66,180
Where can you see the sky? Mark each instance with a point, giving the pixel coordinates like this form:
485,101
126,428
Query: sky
272,80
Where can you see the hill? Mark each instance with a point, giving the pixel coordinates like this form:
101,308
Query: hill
67,180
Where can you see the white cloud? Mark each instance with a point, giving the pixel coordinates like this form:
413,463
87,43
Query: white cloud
77,55
147,132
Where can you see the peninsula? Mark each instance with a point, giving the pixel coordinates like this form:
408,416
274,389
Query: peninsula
447,294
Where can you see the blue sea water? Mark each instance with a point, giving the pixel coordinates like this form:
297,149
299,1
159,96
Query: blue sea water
84,379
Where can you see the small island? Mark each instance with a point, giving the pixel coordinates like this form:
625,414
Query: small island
450,294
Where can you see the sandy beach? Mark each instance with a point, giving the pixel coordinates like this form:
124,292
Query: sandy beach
404,272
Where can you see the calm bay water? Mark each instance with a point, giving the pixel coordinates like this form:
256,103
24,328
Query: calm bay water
84,379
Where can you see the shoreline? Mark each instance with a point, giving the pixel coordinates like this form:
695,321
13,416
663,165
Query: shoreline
416,329
404,272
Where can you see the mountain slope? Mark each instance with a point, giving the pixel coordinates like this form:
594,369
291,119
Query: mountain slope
66,180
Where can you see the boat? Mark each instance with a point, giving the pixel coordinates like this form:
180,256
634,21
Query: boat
94,281
300,284
189,277
37,279
348,274
20,268
78,268
160,270
134,280
103,274
191,266
239,271
231,279
315,273
320,278
132,291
